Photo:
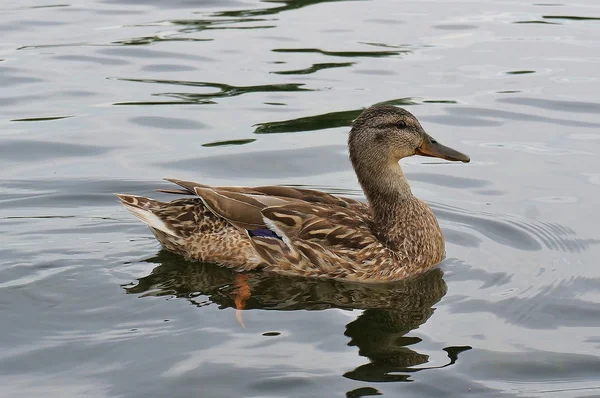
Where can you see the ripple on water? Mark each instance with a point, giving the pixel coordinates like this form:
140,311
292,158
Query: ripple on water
167,68
486,114
455,26
515,232
556,305
554,105
71,193
167,123
290,163
537,148
14,77
135,52
92,59
28,150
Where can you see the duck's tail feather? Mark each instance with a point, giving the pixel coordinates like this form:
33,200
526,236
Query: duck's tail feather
145,209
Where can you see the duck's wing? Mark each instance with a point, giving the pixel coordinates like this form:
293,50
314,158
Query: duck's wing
299,194
242,210
327,226
319,240
318,233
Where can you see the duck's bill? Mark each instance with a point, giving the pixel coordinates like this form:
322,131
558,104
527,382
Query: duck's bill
432,148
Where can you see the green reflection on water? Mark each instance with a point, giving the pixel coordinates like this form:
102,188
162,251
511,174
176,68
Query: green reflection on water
321,122
537,22
314,68
571,17
309,123
229,142
287,6
41,119
225,90
520,72
374,54
141,41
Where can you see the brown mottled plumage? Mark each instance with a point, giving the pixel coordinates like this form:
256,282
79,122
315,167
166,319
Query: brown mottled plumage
320,235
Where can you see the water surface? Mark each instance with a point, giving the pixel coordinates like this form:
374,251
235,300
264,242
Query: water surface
111,96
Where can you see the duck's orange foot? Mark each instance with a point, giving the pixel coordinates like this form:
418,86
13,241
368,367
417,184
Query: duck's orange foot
242,293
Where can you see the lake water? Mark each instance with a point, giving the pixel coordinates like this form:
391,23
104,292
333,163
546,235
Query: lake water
106,96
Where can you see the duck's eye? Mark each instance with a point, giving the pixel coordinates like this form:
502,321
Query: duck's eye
401,124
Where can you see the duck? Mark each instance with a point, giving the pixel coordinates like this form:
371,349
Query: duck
309,233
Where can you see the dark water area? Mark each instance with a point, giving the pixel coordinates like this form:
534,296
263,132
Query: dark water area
99,97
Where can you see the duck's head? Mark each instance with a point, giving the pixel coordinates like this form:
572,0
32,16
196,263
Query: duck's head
390,133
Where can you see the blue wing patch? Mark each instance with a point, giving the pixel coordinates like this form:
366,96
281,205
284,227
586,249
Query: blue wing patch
264,233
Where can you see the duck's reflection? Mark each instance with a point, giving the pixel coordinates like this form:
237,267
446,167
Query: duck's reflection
380,332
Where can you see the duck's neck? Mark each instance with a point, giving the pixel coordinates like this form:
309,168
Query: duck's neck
388,194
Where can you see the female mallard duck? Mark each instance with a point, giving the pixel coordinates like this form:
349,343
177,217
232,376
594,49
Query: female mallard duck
310,233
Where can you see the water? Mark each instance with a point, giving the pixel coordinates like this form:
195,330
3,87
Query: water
111,96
